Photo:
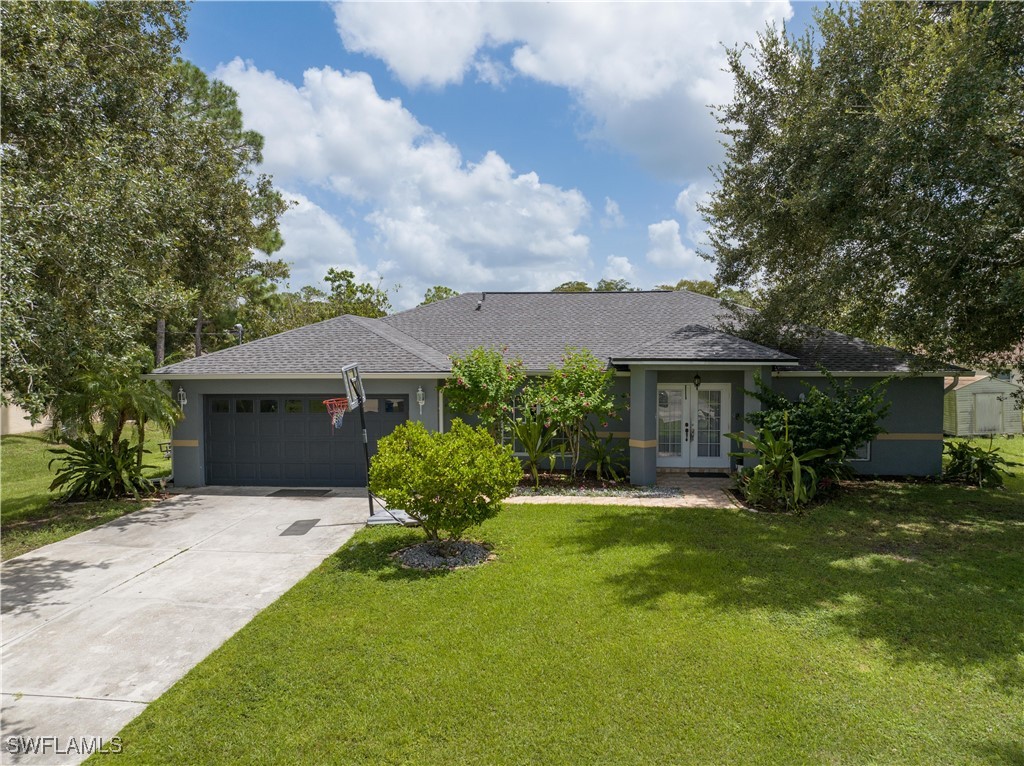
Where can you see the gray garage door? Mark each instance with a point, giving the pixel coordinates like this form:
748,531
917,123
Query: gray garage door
288,440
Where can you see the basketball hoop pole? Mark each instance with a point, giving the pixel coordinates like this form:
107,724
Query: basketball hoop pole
354,389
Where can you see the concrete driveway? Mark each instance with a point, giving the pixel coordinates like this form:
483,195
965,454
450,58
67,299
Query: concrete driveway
97,626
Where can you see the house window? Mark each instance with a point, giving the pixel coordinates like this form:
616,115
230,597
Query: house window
220,405
243,406
508,436
862,454
268,406
293,405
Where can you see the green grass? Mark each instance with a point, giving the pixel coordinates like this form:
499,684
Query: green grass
30,517
883,628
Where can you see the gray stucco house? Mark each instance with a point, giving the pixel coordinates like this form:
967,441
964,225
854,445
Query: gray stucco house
255,413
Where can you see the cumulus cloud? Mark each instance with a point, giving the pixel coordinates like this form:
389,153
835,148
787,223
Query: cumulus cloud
645,73
434,217
314,241
697,193
618,267
613,218
667,251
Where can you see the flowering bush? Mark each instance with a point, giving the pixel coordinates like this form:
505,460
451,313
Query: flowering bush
581,387
483,384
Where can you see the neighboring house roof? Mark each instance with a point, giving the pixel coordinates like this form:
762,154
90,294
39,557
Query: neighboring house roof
970,380
628,327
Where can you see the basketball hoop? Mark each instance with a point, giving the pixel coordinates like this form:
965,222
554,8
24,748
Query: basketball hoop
336,409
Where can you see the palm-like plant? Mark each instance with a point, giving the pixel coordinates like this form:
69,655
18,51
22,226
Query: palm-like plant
781,476
605,455
537,439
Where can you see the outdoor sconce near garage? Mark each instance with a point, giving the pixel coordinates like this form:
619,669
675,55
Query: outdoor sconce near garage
421,398
182,398
696,381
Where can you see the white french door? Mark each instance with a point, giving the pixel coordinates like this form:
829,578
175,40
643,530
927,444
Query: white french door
692,425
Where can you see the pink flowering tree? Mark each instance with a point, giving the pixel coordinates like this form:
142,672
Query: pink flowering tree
483,384
566,398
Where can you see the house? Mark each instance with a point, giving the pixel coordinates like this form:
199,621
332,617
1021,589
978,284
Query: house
255,414
979,405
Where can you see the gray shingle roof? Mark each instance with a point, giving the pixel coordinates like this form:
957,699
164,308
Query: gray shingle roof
536,327
323,347
698,343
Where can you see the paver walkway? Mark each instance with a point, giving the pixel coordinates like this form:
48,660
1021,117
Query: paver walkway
690,493
97,626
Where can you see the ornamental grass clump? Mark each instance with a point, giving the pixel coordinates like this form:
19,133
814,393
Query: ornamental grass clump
449,482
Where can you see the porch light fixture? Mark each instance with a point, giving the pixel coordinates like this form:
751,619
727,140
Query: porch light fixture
421,398
696,381
182,397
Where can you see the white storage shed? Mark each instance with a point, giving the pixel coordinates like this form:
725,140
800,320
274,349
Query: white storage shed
980,406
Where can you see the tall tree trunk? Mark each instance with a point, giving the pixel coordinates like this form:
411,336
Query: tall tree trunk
199,332
161,341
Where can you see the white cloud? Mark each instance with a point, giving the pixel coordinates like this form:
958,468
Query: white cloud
645,72
618,267
435,218
697,193
613,218
667,251
314,241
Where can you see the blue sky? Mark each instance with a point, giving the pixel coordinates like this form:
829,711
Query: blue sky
484,147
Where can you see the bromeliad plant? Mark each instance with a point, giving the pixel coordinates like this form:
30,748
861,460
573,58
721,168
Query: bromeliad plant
537,438
782,479
971,464
605,455
93,467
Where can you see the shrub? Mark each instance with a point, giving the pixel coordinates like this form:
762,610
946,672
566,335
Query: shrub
606,455
482,385
844,416
783,479
448,482
96,468
975,465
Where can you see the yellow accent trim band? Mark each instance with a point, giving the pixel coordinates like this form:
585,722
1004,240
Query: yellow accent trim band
649,444
909,437
185,443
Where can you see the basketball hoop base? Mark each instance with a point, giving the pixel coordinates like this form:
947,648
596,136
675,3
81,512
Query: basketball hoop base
391,517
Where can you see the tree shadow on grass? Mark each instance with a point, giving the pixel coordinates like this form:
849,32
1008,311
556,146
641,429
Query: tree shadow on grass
942,586
370,551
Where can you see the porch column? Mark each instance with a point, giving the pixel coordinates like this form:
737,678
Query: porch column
643,426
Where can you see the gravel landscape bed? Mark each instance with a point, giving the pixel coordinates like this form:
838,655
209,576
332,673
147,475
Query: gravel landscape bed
444,555
624,490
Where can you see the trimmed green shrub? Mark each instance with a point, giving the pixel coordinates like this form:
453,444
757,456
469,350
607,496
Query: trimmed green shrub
971,464
448,482
97,468
843,416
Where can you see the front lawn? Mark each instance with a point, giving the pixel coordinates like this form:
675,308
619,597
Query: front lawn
30,518
883,628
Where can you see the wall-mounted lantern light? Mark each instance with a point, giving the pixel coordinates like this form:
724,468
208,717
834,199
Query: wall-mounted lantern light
182,397
421,398
696,381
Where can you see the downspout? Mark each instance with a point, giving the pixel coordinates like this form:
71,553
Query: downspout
951,386
440,410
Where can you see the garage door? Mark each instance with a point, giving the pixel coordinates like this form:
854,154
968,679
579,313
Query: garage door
288,440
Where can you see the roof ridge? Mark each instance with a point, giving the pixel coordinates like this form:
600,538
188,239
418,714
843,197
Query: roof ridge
403,340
